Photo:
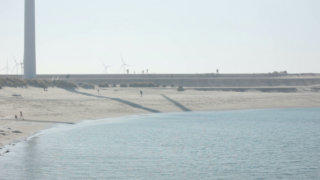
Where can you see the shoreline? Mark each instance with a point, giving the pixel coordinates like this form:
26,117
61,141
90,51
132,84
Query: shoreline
14,142
6,147
62,106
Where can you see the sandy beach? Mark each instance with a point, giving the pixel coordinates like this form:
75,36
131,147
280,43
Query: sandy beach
43,109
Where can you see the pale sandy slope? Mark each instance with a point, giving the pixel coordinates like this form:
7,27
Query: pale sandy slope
65,106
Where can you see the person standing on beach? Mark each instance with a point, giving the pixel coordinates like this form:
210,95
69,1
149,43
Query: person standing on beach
141,93
21,115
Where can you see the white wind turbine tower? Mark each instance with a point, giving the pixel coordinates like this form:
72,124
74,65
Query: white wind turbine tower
20,64
124,65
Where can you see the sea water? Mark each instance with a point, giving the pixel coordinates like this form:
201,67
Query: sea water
244,144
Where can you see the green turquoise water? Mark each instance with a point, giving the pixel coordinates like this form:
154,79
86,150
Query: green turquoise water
248,144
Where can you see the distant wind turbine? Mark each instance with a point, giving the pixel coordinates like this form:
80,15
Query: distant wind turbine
124,65
16,66
105,68
3,69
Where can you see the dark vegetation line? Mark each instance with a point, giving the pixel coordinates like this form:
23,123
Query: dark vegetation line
182,107
134,105
23,83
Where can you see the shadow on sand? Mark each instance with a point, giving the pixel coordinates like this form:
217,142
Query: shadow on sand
182,107
134,105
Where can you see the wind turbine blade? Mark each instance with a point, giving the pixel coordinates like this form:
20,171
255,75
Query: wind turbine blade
122,59
15,60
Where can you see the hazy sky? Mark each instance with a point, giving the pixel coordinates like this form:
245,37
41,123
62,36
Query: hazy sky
167,36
